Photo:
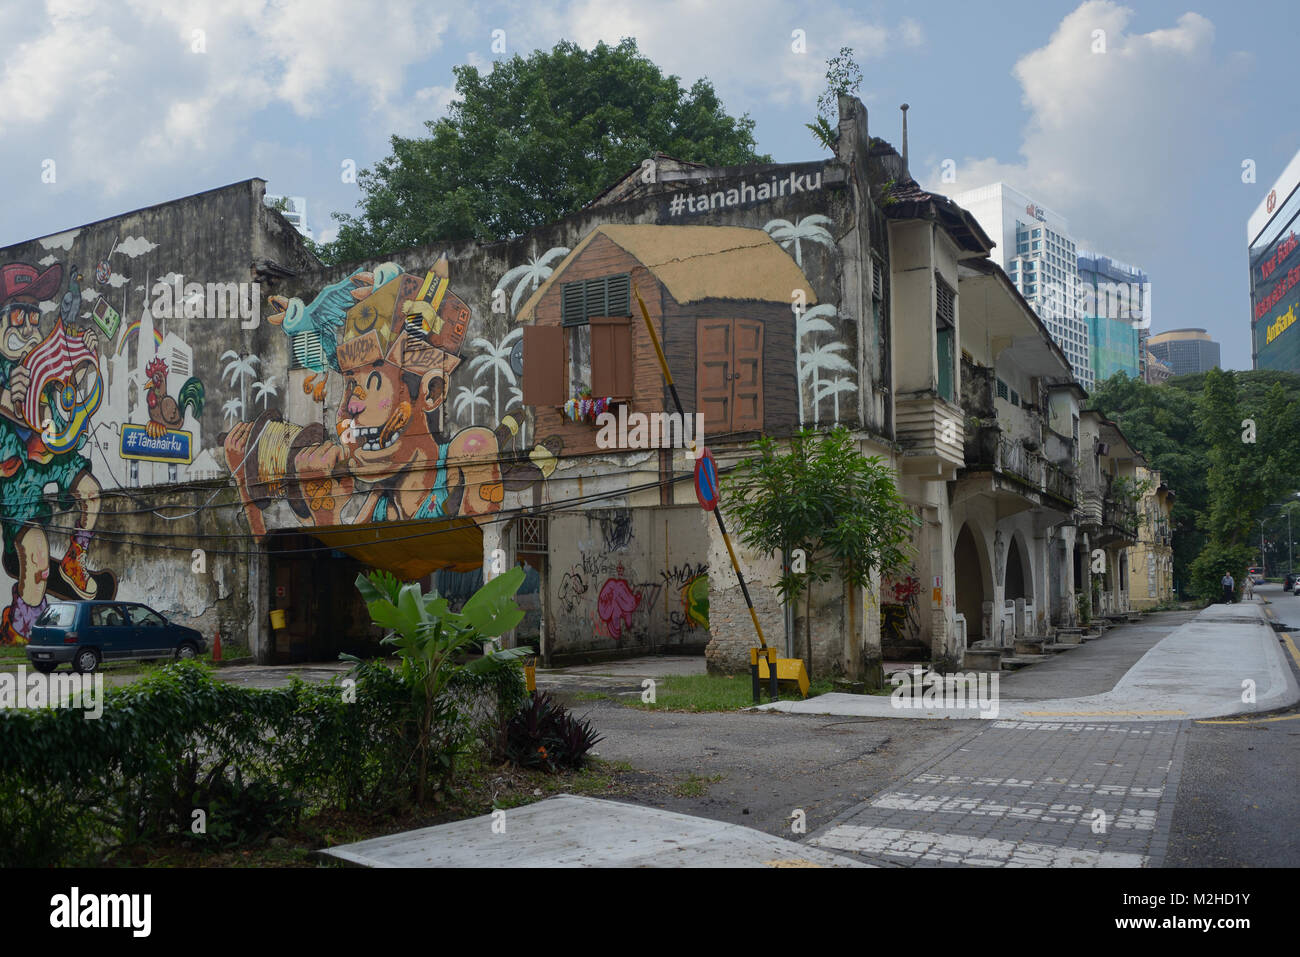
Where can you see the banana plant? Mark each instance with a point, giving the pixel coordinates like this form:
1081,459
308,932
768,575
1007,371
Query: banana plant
430,639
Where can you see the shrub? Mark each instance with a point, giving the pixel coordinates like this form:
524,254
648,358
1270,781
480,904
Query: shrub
544,735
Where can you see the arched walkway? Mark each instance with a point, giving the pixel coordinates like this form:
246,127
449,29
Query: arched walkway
974,581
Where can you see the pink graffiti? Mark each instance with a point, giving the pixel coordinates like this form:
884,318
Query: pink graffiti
615,605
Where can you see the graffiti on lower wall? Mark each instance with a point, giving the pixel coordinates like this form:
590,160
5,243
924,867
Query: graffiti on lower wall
602,598
900,616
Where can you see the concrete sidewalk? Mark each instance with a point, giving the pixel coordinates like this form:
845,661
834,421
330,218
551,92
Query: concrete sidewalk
1199,670
573,831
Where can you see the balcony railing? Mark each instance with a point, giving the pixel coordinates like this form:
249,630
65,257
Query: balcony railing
1018,460
1059,483
1123,515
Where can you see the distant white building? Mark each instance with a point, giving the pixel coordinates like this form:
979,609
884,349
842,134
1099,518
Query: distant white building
1036,249
295,211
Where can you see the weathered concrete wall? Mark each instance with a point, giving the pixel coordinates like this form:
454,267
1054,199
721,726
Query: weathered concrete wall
627,581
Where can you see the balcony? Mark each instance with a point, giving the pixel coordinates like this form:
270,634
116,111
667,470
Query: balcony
1060,484
1013,472
931,431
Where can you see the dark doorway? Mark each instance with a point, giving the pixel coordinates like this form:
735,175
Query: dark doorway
315,586
1015,581
970,583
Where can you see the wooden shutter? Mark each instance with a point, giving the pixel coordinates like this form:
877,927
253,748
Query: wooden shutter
544,366
611,357
713,373
747,377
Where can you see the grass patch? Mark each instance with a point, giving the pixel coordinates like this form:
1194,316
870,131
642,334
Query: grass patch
593,696
712,693
695,785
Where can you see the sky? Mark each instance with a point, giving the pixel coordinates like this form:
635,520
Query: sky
1145,146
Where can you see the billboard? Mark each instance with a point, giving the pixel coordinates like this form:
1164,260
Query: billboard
1274,251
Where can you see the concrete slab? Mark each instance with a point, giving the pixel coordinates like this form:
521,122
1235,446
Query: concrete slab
574,831
1202,669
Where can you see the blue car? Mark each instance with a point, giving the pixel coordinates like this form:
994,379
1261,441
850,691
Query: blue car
86,633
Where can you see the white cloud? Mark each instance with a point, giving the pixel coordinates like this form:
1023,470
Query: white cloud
1115,138
60,240
49,260
117,281
134,246
90,66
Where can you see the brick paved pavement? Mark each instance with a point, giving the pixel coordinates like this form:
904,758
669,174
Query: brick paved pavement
1021,793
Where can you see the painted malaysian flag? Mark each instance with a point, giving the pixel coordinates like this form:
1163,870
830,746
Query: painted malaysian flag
52,363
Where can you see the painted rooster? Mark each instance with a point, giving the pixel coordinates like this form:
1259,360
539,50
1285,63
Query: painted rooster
164,411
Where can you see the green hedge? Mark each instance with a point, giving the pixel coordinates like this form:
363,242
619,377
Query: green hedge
73,790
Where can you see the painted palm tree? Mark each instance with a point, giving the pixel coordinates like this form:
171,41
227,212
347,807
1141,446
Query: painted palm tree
517,399
264,390
834,388
471,399
530,275
823,358
806,321
809,229
495,359
232,410
240,369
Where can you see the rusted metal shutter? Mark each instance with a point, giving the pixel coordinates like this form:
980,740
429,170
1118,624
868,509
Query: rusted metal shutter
544,366
611,357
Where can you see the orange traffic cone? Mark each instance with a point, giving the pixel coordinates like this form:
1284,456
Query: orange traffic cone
216,647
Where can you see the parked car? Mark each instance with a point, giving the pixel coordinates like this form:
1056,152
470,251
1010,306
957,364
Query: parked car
87,633
1288,582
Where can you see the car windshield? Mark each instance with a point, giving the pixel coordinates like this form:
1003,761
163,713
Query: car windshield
58,616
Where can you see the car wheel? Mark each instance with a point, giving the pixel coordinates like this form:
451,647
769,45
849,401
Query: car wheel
186,652
45,667
87,660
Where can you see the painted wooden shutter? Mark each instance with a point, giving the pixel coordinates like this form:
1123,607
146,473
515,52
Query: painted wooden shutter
544,366
611,357
713,372
747,379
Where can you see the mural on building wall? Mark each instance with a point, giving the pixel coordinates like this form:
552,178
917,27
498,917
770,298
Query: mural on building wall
394,339
815,363
51,387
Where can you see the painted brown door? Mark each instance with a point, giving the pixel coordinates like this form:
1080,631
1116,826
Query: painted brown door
729,374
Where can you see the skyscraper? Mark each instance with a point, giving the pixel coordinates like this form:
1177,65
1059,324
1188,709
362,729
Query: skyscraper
1115,299
1185,350
1039,254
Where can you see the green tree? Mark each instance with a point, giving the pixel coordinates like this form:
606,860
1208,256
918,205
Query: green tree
432,642
825,497
531,142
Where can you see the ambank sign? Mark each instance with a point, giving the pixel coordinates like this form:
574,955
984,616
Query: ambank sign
173,446
1282,324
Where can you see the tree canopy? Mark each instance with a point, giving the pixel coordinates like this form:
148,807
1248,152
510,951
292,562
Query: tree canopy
531,142
1226,443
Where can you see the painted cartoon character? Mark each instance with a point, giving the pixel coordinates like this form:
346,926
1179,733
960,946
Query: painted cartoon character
397,348
49,388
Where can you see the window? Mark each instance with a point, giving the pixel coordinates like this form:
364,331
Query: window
1015,398
1037,233
1037,244
135,473
308,351
1002,389
58,616
172,473
143,617
591,349
945,323
106,616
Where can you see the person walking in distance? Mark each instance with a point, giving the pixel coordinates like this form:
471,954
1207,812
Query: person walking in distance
1229,586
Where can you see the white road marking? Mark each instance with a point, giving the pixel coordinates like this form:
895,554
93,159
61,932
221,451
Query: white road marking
961,849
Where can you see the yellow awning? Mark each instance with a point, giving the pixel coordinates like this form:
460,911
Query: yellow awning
410,550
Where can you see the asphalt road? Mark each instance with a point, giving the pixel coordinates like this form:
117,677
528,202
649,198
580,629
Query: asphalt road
915,792
1239,799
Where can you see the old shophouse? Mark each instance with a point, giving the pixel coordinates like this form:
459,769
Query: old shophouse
434,414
